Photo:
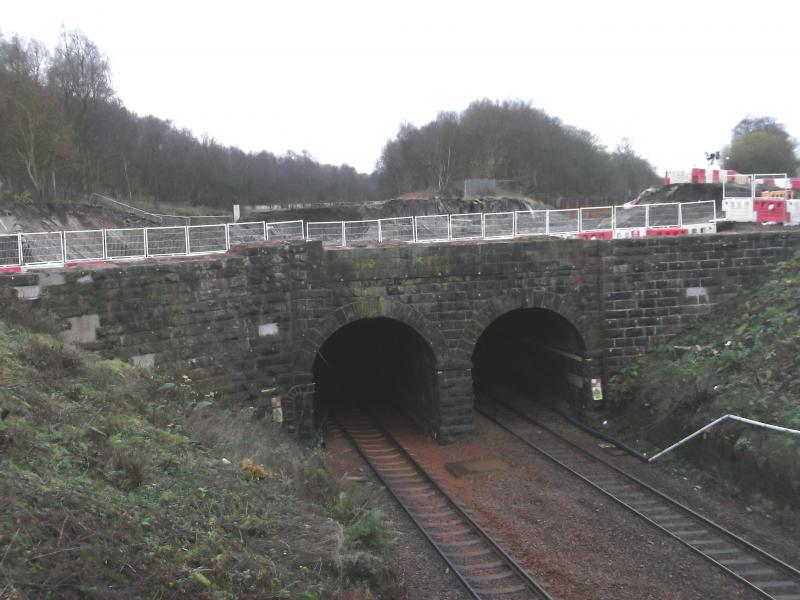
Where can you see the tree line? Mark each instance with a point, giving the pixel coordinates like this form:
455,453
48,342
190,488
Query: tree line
65,133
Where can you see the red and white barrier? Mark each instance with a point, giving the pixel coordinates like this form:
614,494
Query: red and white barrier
703,175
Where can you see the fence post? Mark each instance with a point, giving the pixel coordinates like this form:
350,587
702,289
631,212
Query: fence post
380,233
227,238
344,238
483,226
547,222
414,221
105,246
146,243
19,248
63,246
647,216
449,228
266,230
680,214
580,220
186,235
514,225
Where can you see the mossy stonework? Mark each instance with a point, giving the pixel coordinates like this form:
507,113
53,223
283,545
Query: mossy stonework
255,319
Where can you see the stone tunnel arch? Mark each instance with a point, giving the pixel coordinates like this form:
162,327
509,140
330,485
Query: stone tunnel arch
388,339
537,345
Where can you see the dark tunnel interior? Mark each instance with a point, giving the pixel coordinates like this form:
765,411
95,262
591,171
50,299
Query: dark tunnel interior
373,363
535,353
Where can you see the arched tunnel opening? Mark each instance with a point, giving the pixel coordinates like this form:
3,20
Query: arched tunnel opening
534,353
373,363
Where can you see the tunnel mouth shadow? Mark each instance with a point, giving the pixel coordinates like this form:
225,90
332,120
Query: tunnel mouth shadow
375,363
536,355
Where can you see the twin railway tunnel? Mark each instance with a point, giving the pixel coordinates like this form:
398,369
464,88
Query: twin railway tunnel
372,363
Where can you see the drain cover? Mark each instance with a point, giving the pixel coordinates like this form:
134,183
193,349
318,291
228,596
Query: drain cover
473,467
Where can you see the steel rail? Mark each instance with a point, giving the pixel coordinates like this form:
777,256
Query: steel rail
743,545
531,585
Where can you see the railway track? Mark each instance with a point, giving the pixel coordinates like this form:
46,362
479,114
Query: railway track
752,566
485,570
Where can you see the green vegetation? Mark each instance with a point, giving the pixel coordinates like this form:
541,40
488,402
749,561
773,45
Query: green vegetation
119,484
761,145
742,360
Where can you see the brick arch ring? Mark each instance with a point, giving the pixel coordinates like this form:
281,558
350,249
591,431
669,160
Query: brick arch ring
367,308
497,307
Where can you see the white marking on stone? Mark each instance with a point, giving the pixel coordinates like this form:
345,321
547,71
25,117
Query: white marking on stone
144,361
700,293
82,329
268,329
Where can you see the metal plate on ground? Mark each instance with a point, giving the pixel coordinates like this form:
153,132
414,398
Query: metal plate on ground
476,467
612,449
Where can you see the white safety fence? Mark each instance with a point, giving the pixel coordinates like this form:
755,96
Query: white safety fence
65,247
619,221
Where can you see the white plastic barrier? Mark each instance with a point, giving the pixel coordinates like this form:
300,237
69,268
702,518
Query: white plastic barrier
467,226
84,245
739,210
10,250
432,228
400,229
125,243
793,208
42,248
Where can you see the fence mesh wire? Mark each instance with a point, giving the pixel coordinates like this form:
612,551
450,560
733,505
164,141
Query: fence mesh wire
361,233
285,230
39,248
207,238
84,245
466,226
499,225
565,221
630,217
330,234
162,241
9,250
432,228
664,215
400,229
597,218
532,222
125,243
701,212
245,233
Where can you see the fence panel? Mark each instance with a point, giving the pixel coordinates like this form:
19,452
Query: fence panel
207,238
330,233
531,222
125,243
166,241
9,251
361,233
630,217
498,225
565,221
285,230
42,248
664,215
432,228
597,218
696,213
467,226
84,245
246,233
400,229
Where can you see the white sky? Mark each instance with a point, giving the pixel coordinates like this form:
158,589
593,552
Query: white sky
337,78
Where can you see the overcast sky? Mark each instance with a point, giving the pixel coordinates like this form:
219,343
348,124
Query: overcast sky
338,78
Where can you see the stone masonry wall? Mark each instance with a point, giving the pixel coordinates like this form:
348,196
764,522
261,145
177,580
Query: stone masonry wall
250,320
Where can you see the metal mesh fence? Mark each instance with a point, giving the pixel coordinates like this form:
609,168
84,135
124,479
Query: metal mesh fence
498,225
466,226
84,245
207,238
697,213
245,233
361,233
9,251
630,217
330,233
565,221
42,248
164,241
125,243
432,228
400,229
664,215
597,218
532,222
285,230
